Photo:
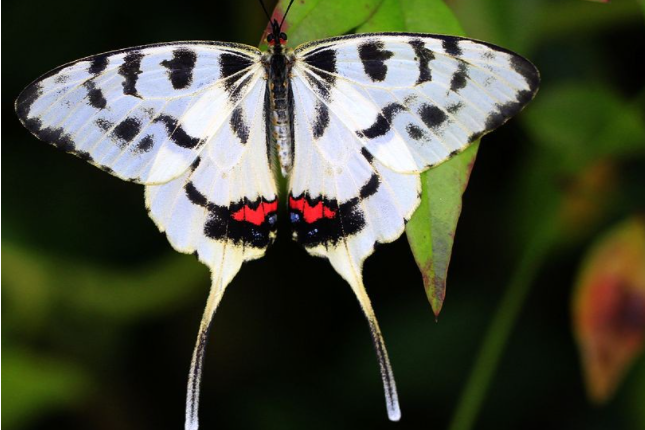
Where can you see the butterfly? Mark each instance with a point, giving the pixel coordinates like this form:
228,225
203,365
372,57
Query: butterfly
351,122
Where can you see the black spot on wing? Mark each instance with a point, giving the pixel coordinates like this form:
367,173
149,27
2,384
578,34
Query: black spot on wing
145,144
236,93
451,47
473,137
104,124
195,164
455,107
176,133
61,78
130,70
367,154
371,187
415,132
373,57
98,64
423,57
460,78
27,98
323,59
322,119
239,125
320,86
432,116
503,113
95,97
523,98
382,124
55,136
528,71
229,65
507,110
195,196
84,155
127,130
323,68
180,68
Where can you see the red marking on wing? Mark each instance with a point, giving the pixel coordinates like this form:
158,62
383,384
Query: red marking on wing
310,213
255,216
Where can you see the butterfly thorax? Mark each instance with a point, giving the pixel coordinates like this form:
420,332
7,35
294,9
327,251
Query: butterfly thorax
278,62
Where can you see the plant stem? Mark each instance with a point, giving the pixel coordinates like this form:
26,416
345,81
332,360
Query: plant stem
501,327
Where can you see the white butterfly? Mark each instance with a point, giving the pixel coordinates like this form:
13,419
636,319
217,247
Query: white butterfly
353,120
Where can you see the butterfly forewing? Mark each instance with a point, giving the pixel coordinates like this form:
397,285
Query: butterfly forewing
415,100
372,111
143,114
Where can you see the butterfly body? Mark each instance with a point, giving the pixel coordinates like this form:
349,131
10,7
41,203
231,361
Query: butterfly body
278,64
354,121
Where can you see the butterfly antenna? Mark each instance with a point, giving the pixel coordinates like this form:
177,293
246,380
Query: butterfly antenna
389,386
264,8
285,13
196,365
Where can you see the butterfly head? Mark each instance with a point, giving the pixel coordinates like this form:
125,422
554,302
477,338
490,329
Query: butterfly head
276,36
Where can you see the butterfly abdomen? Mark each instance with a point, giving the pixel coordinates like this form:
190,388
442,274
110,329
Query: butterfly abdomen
278,71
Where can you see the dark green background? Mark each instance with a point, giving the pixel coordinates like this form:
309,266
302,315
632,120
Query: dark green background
100,314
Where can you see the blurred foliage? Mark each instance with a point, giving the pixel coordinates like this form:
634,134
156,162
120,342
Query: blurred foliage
99,314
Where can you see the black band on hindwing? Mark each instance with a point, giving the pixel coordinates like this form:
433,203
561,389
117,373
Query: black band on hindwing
245,222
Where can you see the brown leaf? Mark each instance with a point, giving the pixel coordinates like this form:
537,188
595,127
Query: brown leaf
609,308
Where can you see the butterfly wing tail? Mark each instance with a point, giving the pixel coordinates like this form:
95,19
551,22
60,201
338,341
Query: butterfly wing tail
389,385
351,272
196,364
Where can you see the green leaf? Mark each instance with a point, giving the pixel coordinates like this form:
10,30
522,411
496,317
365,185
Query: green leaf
431,230
421,16
317,19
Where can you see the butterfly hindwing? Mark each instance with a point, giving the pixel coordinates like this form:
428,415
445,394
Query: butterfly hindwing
415,100
143,114
342,201
228,196
223,208
372,111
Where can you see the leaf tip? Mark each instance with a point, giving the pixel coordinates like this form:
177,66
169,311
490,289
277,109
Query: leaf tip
435,290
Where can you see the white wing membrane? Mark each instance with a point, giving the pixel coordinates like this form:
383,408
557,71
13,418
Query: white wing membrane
415,100
143,114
